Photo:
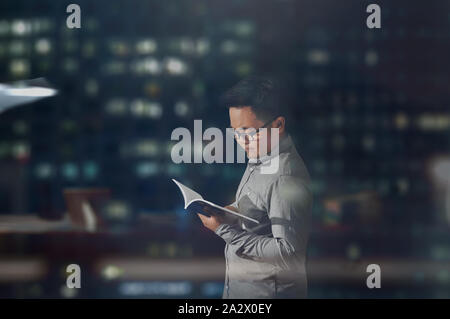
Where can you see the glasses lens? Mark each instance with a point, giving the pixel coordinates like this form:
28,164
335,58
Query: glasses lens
238,135
252,135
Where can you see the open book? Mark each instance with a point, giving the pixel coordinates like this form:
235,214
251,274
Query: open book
194,202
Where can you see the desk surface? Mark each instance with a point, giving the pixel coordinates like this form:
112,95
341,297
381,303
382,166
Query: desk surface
32,224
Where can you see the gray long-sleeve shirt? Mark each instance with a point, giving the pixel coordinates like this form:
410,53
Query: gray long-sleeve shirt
268,260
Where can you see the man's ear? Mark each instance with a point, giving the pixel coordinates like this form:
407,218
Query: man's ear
279,123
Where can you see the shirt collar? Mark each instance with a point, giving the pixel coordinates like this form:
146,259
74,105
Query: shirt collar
284,144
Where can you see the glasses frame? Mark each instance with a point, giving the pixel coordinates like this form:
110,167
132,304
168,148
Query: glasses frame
251,135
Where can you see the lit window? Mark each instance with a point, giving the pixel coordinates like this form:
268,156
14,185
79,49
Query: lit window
43,46
187,46
212,289
243,68
181,108
117,210
91,87
229,47
353,251
90,170
435,122
156,288
20,27
21,150
146,148
119,48
154,110
148,65
116,106
146,46
142,108
137,107
203,46
371,58
401,121
318,57
67,292
110,272
44,170
175,66
19,67
70,171
244,28
147,169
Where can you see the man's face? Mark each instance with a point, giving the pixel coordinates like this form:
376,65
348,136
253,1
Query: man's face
243,119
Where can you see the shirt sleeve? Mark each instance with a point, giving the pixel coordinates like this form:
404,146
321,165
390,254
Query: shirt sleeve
234,204
231,219
290,202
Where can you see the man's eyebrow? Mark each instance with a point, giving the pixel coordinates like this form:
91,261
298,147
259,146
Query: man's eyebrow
242,127
238,128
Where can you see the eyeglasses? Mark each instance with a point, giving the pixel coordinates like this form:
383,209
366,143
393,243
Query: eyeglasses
252,133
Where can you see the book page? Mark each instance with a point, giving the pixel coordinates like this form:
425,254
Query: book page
188,194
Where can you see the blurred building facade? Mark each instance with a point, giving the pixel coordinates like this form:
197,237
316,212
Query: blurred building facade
370,112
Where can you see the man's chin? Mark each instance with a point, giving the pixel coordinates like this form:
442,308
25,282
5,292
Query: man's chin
252,155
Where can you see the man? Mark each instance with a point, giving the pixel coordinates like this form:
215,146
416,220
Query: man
265,260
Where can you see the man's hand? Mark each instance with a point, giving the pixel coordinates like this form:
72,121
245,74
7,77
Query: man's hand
213,222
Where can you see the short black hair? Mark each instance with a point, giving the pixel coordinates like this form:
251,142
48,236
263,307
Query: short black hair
261,93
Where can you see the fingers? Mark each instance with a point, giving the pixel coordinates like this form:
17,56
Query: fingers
234,209
206,209
203,217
